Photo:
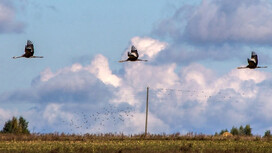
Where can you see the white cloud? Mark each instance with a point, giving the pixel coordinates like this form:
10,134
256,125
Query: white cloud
222,21
246,75
138,76
216,30
8,19
142,75
100,68
6,115
125,94
137,124
46,75
52,113
148,46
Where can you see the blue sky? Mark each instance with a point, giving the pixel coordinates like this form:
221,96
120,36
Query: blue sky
90,27
193,49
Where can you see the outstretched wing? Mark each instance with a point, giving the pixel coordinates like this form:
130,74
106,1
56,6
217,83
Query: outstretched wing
242,67
261,67
121,61
142,60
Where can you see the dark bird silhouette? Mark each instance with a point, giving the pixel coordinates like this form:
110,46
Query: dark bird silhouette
29,51
252,62
133,56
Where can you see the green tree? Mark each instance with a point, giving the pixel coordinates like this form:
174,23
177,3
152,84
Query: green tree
16,126
234,131
267,133
247,130
7,127
23,124
241,130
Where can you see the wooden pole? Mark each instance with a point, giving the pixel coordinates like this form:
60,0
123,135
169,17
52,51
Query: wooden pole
146,108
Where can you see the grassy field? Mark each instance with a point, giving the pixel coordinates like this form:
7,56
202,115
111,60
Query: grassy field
57,143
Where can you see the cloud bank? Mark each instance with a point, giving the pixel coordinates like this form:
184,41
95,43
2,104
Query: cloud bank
221,21
216,30
228,21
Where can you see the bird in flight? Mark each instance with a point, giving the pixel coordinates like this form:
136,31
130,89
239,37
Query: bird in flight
252,62
133,56
29,51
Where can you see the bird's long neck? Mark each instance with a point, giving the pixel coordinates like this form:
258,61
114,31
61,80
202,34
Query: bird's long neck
14,57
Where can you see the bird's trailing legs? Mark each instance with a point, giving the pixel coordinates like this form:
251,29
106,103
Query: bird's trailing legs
36,57
141,60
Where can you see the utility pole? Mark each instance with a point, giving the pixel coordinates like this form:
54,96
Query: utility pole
146,108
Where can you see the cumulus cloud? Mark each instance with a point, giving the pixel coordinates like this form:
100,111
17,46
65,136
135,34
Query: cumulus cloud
225,21
137,123
148,46
53,113
215,30
205,101
221,21
6,115
100,68
73,83
140,75
8,21
194,99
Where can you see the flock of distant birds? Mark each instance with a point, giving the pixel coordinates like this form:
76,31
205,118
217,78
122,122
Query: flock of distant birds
163,94
134,56
110,115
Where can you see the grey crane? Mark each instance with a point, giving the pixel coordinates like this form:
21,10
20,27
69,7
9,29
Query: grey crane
133,56
252,62
29,51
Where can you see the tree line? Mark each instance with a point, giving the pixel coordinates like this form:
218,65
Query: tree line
242,131
20,126
16,126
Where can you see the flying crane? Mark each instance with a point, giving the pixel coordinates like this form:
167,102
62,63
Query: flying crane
29,51
133,56
252,62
